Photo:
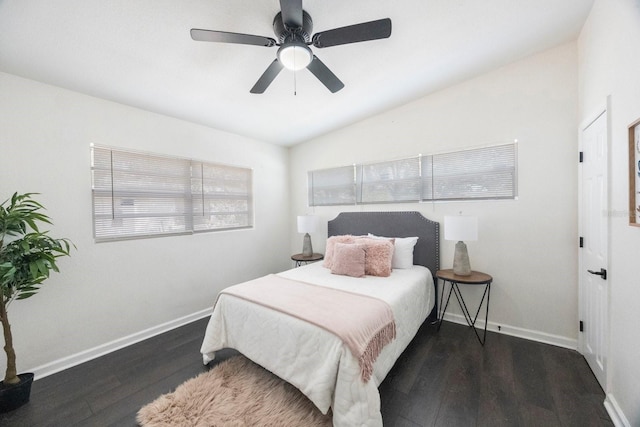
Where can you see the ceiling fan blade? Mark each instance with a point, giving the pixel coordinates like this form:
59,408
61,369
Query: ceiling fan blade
373,30
291,13
225,37
325,75
267,77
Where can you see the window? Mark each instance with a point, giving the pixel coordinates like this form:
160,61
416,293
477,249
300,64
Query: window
335,186
393,181
221,197
141,195
481,173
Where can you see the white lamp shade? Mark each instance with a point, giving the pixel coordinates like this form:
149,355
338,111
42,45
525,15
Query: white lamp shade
307,223
461,228
295,56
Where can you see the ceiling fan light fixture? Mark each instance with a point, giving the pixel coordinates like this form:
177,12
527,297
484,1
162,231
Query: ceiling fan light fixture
295,56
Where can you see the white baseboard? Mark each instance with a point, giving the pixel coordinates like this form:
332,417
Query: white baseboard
528,334
93,353
614,411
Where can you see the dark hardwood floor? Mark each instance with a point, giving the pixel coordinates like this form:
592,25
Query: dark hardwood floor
449,379
443,379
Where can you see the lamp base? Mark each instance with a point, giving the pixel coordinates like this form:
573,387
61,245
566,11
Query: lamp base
307,249
461,265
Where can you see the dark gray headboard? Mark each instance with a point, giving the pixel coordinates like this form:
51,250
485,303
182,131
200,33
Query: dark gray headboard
395,224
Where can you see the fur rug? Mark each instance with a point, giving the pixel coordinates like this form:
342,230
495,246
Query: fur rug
236,392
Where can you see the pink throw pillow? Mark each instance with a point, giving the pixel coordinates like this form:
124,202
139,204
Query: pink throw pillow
348,260
331,242
379,253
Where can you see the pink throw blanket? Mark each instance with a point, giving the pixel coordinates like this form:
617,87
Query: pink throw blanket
365,324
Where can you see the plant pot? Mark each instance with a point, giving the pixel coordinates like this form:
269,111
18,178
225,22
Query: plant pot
14,396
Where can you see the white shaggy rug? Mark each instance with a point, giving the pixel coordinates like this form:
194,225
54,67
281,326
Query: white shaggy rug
235,393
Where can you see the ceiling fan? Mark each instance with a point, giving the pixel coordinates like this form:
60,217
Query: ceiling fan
293,27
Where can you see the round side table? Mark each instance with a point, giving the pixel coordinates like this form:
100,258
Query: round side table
302,259
475,278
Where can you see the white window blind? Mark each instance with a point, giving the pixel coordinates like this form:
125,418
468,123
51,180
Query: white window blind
139,195
392,181
481,173
426,170
221,197
336,186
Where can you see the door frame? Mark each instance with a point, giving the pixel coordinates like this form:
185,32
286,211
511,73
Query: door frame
604,109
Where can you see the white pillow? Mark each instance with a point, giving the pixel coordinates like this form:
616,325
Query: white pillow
403,252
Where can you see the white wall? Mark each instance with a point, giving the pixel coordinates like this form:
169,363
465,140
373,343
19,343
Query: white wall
108,291
529,245
608,65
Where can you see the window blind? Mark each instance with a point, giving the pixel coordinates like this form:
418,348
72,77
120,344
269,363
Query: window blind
336,186
138,195
222,197
392,181
482,173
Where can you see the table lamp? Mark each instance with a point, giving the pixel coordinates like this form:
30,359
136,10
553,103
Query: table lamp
459,228
307,224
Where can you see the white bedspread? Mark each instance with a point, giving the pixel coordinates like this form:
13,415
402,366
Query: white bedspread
314,360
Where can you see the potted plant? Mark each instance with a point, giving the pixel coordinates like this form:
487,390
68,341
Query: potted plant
27,256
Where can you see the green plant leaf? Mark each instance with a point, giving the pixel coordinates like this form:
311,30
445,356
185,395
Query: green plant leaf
27,260
33,269
11,271
25,295
42,267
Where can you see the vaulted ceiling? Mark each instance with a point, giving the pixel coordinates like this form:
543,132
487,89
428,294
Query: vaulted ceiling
140,53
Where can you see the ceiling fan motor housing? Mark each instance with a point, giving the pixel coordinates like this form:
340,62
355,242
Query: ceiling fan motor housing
288,34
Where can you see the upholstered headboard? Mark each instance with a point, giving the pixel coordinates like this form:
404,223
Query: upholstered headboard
395,224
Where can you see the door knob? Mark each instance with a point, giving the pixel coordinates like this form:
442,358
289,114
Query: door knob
602,273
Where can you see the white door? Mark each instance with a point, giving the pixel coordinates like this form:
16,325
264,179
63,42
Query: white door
594,208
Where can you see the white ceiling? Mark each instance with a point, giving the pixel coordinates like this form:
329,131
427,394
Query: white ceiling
140,53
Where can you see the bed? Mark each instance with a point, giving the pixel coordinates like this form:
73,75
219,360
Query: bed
316,361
